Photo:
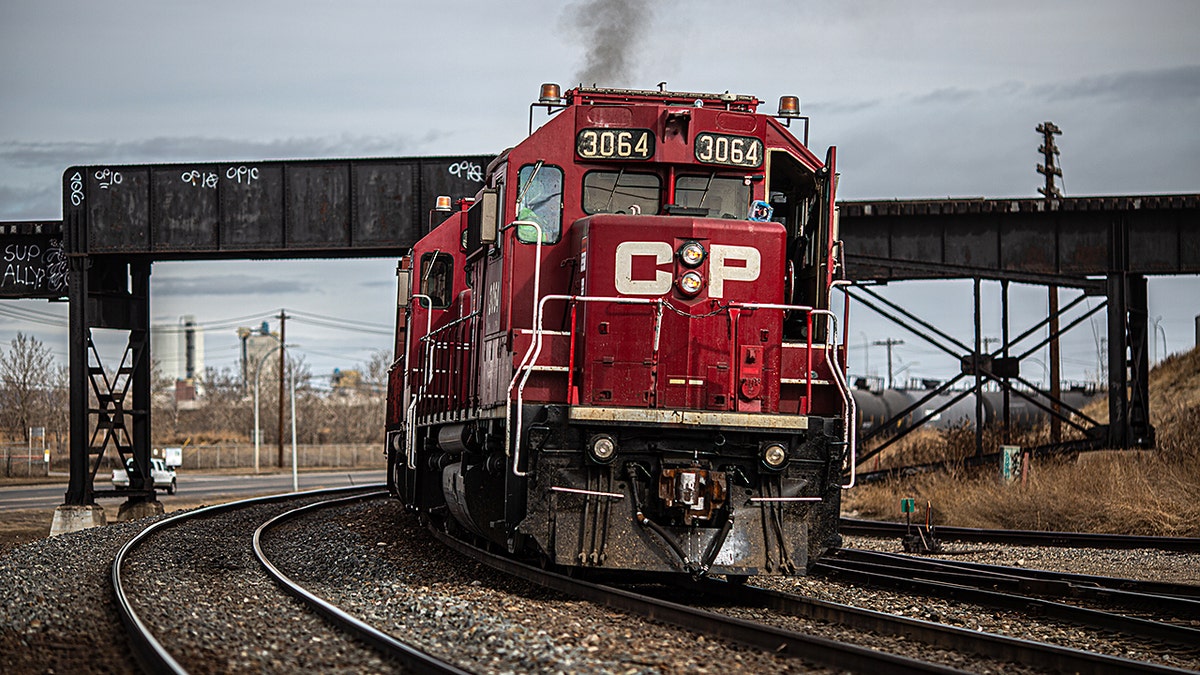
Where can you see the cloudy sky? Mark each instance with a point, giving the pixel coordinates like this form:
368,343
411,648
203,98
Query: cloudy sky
923,99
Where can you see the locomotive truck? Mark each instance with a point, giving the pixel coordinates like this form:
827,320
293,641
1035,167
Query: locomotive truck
621,353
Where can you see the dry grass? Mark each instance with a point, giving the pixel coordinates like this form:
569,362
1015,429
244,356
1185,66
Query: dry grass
928,446
1154,492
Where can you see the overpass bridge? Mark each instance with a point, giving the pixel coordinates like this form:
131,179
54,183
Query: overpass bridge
1102,246
118,220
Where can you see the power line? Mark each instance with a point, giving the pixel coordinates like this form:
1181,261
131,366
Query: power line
303,317
37,312
317,352
10,313
337,326
341,320
214,325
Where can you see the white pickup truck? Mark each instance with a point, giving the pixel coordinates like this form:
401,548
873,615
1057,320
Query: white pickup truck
164,476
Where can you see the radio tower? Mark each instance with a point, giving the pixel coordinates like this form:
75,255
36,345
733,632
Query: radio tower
1050,169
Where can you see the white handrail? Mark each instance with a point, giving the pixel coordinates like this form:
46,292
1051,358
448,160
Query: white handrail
850,424
537,278
527,363
849,437
410,427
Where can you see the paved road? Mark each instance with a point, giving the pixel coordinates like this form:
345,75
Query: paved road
194,487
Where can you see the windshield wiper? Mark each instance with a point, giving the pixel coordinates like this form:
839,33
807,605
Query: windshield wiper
704,195
612,193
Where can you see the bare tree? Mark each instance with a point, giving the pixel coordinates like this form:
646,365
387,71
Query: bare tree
377,366
58,400
26,371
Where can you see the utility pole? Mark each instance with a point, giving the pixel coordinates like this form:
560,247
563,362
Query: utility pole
889,343
1050,169
282,363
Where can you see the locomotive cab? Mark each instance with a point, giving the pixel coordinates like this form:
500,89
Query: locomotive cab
621,354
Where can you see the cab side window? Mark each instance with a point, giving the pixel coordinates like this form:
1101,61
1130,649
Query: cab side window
540,192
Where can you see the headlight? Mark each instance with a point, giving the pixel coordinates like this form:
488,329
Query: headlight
691,254
602,448
691,283
773,455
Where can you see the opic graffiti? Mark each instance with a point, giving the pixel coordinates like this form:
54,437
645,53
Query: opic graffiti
467,170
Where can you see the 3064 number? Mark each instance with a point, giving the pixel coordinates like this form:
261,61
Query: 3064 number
734,150
615,144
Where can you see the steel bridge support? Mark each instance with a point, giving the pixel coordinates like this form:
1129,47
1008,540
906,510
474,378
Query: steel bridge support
110,408
1128,367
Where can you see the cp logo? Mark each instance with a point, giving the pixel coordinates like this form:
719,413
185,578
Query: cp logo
725,263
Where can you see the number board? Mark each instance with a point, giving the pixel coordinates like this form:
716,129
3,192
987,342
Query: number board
744,151
615,144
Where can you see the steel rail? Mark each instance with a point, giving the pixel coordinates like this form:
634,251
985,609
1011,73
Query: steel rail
1106,591
412,657
151,655
1185,597
889,578
878,528
1157,588
787,643
990,645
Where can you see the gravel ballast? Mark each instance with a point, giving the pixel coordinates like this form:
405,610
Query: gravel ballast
57,612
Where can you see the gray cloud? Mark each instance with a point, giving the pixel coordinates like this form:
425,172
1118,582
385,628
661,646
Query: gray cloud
380,283
839,106
31,203
1146,86
1163,84
947,96
229,284
35,154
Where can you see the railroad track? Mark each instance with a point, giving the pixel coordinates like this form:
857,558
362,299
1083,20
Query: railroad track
177,585
1174,607
813,649
879,528
184,633
1001,648
1166,598
394,648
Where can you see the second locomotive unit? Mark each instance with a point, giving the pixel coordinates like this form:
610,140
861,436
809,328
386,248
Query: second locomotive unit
621,353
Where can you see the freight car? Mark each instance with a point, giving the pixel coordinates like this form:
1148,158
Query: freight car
620,354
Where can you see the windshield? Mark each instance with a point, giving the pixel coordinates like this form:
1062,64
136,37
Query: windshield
621,192
724,197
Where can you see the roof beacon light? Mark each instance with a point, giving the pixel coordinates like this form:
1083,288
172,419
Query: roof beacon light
789,106
551,94
443,204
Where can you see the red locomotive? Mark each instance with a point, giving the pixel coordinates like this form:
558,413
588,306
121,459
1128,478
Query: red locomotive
620,354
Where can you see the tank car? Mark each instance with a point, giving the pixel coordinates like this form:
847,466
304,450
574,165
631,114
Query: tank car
621,354
877,407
